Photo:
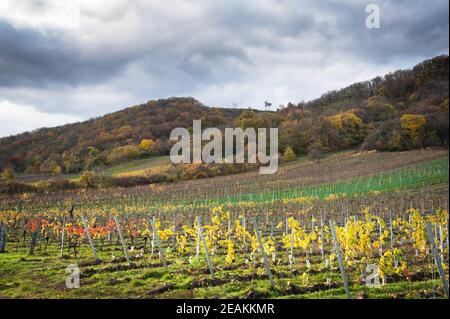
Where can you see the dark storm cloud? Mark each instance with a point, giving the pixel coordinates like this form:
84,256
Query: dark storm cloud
408,29
30,58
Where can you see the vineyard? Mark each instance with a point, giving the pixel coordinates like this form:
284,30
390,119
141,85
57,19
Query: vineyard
329,230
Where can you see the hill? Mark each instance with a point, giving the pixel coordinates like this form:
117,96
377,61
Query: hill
403,110
134,132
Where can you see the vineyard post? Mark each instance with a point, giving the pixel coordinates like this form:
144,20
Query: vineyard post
381,234
33,242
271,229
208,258
244,225
322,236
3,238
391,229
62,235
341,262
158,242
88,234
197,247
322,239
41,239
312,231
435,233
441,242
121,240
286,225
263,253
152,243
291,255
437,258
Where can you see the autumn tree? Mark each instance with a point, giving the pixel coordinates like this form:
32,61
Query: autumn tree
52,165
89,179
72,163
289,154
121,153
7,174
56,170
350,128
147,146
413,125
92,158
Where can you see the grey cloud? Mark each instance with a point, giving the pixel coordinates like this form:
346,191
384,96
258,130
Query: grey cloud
31,58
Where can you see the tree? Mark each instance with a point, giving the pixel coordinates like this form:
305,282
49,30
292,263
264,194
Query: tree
89,179
7,174
146,145
315,151
349,127
72,163
122,153
413,125
51,165
56,170
92,158
289,154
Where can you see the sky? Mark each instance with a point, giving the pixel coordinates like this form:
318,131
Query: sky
65,61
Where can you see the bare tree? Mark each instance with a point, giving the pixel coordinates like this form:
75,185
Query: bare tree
315,151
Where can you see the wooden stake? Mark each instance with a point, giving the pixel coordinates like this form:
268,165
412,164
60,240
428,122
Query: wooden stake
197,248
391,231
88,233
3,238
263,252
33,242
121,240
202,237
158,243
437,258
62,235
341,262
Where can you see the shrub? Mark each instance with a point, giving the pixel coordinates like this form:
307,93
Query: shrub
289,154
90,179
7,174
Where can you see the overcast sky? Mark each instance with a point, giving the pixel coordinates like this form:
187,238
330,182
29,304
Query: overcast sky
63,61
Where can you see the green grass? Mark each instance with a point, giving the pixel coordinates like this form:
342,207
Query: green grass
44,276
137,166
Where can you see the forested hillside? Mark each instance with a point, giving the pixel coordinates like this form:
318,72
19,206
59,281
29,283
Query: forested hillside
402,110
134,132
